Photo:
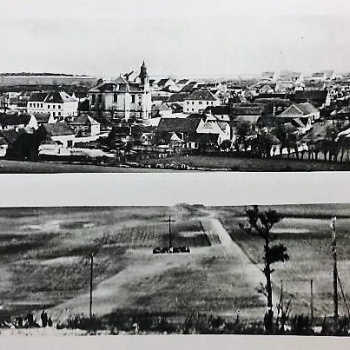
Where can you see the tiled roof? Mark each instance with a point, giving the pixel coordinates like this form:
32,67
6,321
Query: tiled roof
42,117
201,95
83,119
185,125
218,110
38,96
177,97
59,129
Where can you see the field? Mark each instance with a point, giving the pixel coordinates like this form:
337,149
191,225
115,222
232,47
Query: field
306,232
44,255
227,163
195,163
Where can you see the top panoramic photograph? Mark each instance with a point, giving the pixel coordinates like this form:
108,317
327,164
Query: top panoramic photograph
174,86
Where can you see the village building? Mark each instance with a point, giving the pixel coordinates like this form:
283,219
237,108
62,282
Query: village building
58,104
61,133
84,125
124,99
301,115
199,100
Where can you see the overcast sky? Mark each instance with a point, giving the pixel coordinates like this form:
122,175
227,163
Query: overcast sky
175,37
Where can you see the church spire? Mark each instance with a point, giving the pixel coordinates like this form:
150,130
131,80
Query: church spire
143,74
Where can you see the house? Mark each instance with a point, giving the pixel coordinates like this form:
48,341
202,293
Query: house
221,113
289,76
178,130
44,118
242,112
301,115
123,98
58,104
168,84
61,133
199,100
84,125
318,98
210,126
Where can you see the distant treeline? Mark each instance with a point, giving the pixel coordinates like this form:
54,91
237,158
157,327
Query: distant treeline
27,74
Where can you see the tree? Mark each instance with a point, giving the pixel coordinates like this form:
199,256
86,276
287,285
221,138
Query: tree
261,223
243,130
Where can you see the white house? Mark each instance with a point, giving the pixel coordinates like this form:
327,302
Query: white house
211,126
58,104
199,100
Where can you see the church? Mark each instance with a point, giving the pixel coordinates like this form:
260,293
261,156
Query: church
122,98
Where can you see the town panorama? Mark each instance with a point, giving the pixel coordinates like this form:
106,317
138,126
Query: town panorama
275,121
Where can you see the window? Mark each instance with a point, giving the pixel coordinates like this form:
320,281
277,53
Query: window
53,114
93,99
115,98
59,106
193,102
200,102
41,105
207,102
59,113
53,106
30,105
48,106
132,98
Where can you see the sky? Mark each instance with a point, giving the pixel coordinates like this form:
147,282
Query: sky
182,38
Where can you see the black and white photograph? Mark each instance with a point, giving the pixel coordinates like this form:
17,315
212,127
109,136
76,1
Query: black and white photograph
182,269
165,86
174,174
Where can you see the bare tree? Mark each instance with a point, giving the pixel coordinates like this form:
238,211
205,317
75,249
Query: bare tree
261,223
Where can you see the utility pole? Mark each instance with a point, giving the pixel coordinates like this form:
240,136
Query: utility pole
169,221
312,299
91,276
335,269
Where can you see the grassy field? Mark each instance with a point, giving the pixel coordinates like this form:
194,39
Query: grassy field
306,232
250,164
44,260
195,163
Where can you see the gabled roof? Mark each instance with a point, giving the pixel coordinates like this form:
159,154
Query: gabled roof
163,81
184,125
37,97
201,95
189,87
307,108
316,96
300,109
218,110
249,109
42,117
59,129
83,119
59,97
177,97
118,85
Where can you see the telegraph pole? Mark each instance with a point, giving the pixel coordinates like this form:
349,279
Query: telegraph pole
169,221
312,299
91,276
335,269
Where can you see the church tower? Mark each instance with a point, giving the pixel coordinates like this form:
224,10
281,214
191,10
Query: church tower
143,74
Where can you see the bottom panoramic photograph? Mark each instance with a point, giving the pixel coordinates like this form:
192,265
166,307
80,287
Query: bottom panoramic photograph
184,269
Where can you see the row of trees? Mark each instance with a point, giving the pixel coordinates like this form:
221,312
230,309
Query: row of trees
285,137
